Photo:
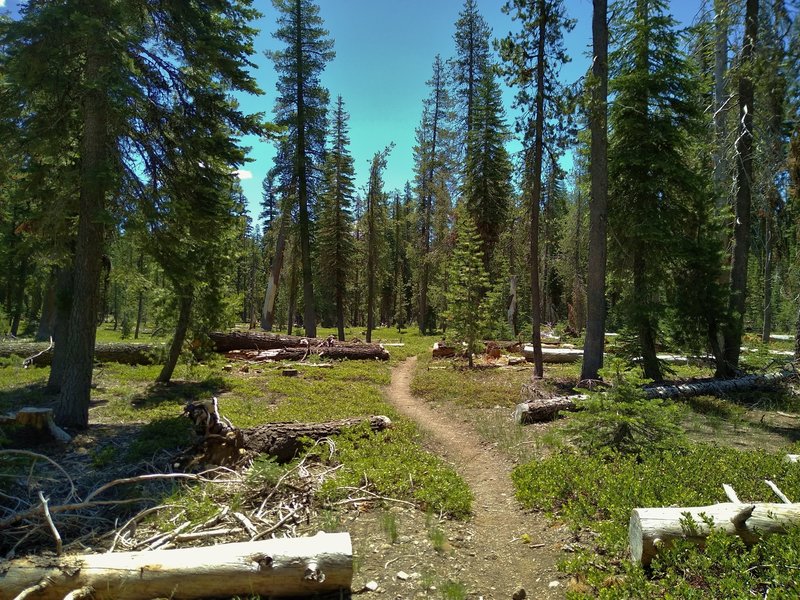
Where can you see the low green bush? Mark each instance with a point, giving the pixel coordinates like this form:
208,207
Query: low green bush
598,491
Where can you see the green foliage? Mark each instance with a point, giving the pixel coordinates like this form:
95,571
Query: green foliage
393,464
453,590
623,419
467,304
597,491
389,526
265,471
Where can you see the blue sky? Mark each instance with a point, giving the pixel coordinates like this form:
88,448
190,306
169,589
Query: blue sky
384,55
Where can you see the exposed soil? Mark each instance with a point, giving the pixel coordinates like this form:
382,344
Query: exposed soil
500,550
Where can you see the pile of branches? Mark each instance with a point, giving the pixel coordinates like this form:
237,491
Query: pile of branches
43,508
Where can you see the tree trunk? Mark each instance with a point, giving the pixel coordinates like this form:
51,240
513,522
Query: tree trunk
353,352
537,410
644,326
279,567
127,354
184,314
720,99
223,444
19,294
39,419
236,340
511,313
292,296
744,175
651,529
47,320
598,204
60,329
73,405
268,310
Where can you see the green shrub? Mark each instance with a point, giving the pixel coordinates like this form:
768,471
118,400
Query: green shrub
623,419
599,491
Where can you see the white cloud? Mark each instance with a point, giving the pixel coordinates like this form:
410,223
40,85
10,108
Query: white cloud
240,173
2,3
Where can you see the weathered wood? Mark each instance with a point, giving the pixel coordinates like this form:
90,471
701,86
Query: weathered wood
277,567
290,347
650,529
442,350
224,444
535,410
40,419
717,387
127,354
554,355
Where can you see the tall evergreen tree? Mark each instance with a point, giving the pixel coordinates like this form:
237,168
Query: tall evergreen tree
301,107
336,246
375,230
594,342
533,57
487,182
653,120
734,328
471,61
433,166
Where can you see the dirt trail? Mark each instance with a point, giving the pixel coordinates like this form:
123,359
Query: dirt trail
502,563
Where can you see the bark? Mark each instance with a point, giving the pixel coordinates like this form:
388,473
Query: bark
536,195
353,352
47,320
651,529
60,329
744,176
73,405
184,314
223,444
268,310
292,296
598,204
295,347
537,410
126,354
279,567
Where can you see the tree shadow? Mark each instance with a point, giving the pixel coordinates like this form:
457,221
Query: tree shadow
179,391
31,394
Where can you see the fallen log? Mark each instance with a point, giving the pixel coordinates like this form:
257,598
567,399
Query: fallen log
442,350
716,387
289,347
127,354
650,529
277,567
536,410
224,444
554,355
38,419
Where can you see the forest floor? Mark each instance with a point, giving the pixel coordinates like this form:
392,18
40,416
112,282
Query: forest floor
501,550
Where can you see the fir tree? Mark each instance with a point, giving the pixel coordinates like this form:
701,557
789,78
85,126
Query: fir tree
375,230
336,246
467,301
471,61
487,183
301,107
652,181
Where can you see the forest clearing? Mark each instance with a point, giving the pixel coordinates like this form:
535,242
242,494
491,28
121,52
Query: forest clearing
289,310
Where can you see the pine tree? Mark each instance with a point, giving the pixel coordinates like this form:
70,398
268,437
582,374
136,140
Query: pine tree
533,57
433,167
653,184
487,182
470,63
301,107
467,294
375,230
336,246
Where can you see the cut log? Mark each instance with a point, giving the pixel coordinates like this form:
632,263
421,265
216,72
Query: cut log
536,410
224,444
652,528
442,350
127,354
289,347
554,355
716,387
278,567
39,419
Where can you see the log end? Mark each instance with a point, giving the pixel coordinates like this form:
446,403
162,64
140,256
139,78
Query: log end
642,550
